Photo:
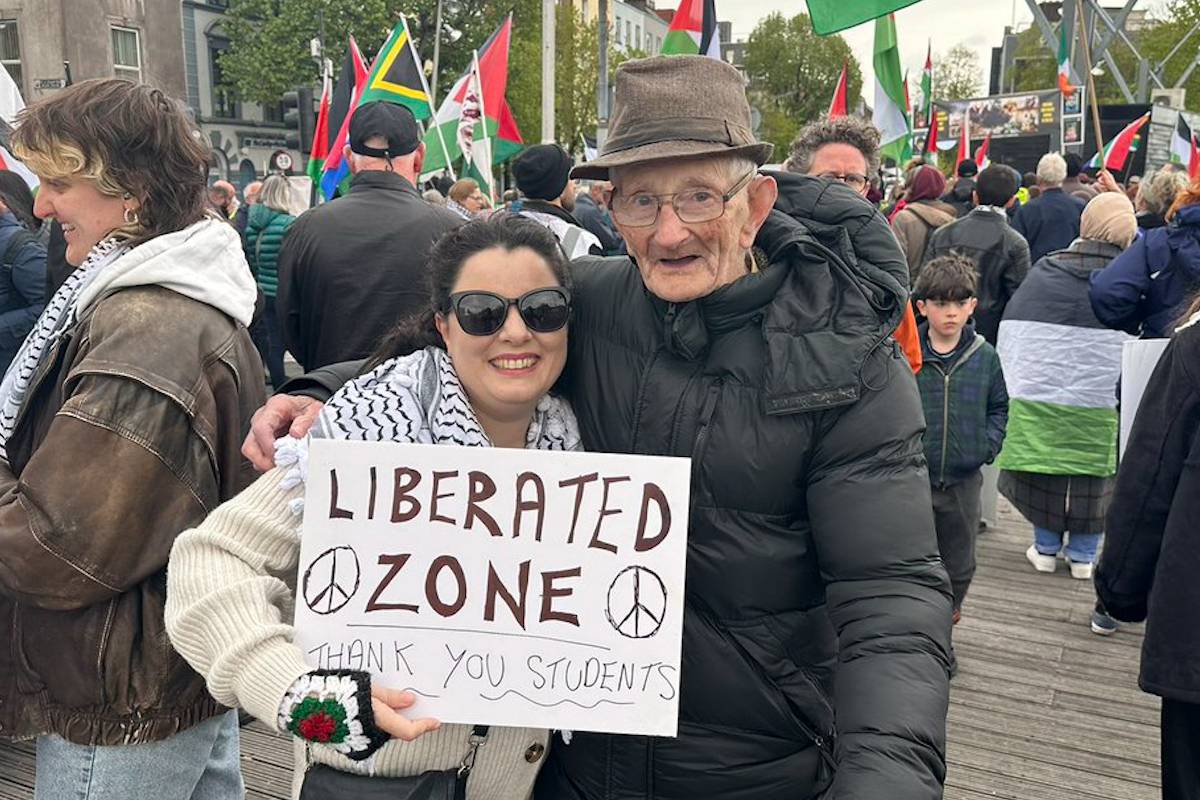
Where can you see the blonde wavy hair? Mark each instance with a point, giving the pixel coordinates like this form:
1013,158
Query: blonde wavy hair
128,140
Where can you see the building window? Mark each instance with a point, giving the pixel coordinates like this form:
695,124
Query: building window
10,51
629,33
224,100
637,36
127,53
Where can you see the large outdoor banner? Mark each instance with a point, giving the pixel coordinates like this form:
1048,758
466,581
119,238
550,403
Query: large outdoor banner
502,587
1000,117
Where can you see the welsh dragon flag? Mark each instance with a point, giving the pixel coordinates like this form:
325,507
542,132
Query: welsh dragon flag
891,104
693,30
442,149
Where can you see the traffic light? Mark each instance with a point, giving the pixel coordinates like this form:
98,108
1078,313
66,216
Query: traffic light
300,119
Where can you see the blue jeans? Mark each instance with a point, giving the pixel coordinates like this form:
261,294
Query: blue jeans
1081,547
200,763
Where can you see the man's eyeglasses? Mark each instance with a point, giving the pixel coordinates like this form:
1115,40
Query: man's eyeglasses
856,182
640,210
483,313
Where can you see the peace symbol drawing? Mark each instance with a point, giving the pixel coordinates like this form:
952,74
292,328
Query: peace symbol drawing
637,603
331,580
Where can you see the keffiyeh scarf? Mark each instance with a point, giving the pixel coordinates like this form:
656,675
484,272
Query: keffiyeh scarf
58,315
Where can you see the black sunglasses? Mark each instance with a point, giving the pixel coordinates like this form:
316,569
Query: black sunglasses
483,313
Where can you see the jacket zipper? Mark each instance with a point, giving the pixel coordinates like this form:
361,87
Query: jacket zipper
701,441
975,345
945,425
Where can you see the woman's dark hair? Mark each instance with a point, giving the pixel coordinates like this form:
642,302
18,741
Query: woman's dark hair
127,138
503,230
15,194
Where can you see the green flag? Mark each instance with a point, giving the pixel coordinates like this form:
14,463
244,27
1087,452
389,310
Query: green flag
831,16
891,94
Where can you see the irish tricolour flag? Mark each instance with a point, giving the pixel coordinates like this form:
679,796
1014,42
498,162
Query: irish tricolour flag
891,103
498,125
1064,62
693,30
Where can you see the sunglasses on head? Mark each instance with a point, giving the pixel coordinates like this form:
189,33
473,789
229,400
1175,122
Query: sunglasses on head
483,313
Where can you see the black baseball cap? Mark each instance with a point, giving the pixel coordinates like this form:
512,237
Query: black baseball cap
391,121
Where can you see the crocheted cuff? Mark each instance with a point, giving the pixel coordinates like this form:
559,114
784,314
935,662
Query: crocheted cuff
333,708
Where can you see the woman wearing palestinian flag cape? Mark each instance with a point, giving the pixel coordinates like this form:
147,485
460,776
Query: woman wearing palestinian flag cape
1062,366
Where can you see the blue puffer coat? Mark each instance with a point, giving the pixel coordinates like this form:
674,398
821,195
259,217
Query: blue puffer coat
1144,290
22,288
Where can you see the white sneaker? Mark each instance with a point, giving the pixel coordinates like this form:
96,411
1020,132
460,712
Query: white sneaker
1080,570
1041,562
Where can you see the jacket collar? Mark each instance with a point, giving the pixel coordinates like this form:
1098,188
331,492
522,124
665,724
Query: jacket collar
381,179
543,207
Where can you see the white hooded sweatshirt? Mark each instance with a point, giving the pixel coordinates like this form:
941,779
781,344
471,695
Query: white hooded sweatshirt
204,261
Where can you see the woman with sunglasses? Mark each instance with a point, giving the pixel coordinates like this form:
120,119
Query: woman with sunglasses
474,370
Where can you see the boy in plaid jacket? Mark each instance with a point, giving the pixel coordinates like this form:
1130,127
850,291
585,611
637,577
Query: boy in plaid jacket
966,409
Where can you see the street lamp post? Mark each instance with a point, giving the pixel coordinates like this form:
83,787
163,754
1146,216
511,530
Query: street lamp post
547,71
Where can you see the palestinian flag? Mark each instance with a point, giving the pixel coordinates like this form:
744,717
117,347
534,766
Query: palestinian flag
1064,62
320,143
693,30
837,108
336,172
1117,151
931,135
1184,147
441,141
981,155
1060,366
891,95
11,103
964,137
831,16
397,77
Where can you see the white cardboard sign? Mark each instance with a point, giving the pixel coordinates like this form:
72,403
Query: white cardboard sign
1139,357
502,587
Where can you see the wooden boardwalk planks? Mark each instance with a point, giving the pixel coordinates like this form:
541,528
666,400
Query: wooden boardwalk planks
1042,708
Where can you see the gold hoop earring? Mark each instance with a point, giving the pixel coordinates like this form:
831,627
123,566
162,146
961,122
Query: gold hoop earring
131,217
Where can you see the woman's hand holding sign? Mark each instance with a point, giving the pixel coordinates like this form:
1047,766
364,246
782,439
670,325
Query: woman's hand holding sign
386,704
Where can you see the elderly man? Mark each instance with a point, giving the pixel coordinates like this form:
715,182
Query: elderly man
846,149
749,331
1051,221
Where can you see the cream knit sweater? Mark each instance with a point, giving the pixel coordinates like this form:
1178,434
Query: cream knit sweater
228,612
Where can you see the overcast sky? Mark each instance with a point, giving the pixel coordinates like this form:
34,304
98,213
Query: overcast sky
977,23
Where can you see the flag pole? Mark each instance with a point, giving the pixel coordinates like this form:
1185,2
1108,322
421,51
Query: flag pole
429,98
1091,82
483,120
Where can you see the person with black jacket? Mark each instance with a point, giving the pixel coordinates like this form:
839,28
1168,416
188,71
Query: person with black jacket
1051,221
961,193
812,552
1001,255
350,268
1147,568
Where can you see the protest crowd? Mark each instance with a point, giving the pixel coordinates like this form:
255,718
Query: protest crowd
855,378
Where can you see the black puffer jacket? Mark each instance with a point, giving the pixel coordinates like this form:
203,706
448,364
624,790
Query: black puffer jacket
810,506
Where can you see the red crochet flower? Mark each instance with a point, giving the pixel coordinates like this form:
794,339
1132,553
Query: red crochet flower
318,727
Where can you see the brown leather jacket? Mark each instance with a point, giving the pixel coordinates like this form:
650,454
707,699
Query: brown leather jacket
130,434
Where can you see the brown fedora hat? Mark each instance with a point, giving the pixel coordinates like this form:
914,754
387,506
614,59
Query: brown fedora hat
676,107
